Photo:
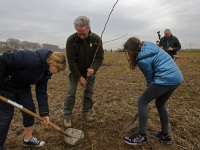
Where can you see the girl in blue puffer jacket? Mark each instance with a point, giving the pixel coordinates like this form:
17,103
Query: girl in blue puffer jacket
162,77
18,71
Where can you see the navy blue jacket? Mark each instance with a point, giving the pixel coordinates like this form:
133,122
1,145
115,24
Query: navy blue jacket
157,66
21,69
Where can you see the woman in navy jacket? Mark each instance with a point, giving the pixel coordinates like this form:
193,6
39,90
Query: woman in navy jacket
17,72
162,77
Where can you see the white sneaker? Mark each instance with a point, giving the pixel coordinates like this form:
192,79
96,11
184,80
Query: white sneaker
34,142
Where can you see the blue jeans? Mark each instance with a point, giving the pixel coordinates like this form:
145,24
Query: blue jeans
6,112
71,96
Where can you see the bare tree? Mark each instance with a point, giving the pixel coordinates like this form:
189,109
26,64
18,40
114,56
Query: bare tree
13,43
3,44
25,45
51,47
35,46
17,44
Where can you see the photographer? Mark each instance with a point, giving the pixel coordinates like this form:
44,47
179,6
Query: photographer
170,43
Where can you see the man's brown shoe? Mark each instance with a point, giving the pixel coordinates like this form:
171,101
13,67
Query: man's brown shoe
67,123
88,118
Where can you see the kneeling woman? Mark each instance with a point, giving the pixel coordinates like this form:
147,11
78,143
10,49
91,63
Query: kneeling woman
17,72
162,76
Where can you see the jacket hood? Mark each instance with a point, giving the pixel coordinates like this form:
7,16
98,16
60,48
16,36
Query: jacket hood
43,54
148,50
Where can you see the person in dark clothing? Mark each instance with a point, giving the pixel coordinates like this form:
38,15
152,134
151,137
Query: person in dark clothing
81,48
170,43
162,77
18,71
157,42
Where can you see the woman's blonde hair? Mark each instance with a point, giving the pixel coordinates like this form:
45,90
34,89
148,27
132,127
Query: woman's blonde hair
58,59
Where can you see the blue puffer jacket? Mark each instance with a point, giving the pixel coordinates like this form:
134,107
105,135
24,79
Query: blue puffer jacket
20,69
157,66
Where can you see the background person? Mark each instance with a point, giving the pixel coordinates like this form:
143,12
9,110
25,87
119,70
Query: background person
157,42
17,72
81,47
8,50
170,43
162,76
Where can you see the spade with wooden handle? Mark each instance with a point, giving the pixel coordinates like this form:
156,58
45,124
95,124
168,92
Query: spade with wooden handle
176,57
71,135
130,124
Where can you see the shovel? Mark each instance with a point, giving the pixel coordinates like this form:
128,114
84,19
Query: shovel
130,124
176,57
71,135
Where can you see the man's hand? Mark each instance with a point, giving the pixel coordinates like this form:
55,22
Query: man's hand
170,49
47,120
81,81
90,72
161,47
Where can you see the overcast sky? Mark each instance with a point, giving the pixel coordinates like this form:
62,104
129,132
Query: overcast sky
51,21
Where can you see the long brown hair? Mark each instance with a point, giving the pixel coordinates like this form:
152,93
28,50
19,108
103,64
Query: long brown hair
132,46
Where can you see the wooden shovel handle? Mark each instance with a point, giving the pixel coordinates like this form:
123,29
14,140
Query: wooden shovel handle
29,112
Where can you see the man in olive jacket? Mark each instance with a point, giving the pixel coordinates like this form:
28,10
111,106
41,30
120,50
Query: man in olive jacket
170,43
81,47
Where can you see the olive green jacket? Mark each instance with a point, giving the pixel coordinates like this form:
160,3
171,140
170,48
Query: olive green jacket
80,54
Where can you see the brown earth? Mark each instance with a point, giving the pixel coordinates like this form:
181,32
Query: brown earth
116,92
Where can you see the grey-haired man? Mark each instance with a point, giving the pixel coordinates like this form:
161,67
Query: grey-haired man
170,43
80,48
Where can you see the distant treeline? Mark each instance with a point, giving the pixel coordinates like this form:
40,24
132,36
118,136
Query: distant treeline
23,45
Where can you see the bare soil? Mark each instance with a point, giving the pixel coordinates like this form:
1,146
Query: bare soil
115,101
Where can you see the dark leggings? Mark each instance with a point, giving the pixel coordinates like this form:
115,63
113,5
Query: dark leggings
6,112
161,94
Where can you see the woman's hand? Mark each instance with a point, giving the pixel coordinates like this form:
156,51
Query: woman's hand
46,122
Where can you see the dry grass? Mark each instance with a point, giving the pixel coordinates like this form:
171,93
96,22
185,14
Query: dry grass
116,92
